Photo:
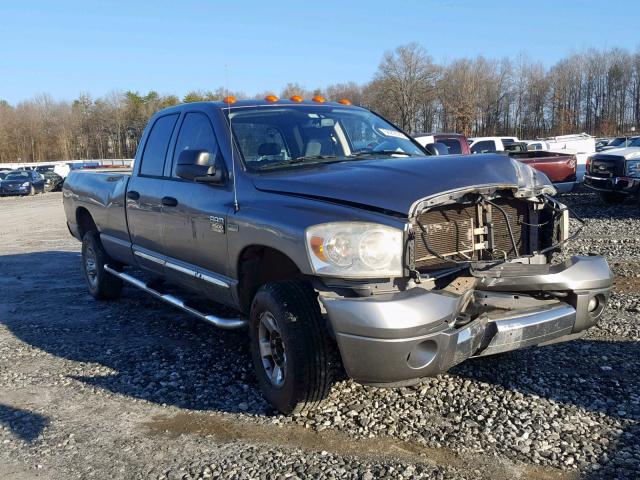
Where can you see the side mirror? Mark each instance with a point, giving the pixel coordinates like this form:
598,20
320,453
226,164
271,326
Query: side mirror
436,149
195,165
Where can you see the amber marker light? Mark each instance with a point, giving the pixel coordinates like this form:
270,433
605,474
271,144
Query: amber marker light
318,248
318,99
296,98
344,101
230,99
271,98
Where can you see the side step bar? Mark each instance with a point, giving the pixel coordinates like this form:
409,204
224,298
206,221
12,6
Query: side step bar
226,323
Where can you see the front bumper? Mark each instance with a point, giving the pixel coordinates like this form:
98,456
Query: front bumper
6,190
394,338
626,185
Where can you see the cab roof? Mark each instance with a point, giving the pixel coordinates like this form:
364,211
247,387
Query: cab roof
257,103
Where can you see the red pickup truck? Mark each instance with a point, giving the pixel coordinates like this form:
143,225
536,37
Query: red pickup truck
559,167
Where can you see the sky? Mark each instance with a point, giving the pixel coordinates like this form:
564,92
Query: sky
64,48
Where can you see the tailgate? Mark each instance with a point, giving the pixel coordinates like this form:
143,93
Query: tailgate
558,169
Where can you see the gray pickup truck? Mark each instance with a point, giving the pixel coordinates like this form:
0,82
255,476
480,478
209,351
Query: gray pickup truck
333,235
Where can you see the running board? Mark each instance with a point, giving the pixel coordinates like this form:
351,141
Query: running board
226,323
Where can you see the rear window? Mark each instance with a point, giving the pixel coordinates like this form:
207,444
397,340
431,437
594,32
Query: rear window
155,149
452,144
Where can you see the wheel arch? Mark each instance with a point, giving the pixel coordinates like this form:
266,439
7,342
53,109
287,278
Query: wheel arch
85,222
260,264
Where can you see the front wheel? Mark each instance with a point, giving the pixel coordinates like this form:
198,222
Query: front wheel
612,198
32,191
101,284
291,351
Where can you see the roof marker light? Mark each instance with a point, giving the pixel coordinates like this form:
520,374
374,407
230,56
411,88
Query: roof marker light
230,99
318,99
296,98
344,101
271,98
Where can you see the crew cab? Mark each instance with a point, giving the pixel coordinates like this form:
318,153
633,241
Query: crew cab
615,174
328,234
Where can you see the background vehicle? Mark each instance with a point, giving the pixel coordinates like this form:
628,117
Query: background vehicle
456,143
275,209
559,167
490,144
618,142
581,145
52,181
601,143
615,174
22,182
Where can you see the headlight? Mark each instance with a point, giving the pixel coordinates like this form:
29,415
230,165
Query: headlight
355,249
25,184
633,168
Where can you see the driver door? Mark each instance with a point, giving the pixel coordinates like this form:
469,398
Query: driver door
194,221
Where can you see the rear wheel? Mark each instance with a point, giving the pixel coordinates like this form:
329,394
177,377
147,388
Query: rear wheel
101,284
612,198
290,347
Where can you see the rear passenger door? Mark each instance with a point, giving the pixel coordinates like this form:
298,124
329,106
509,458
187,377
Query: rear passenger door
145,192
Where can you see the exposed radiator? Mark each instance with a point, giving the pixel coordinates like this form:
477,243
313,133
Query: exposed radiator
463,232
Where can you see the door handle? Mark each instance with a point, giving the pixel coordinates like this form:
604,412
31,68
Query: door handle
133,195
169,202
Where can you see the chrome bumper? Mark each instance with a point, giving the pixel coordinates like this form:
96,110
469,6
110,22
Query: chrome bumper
628,185
390,339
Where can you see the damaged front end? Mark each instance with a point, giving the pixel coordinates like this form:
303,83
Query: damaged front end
481,282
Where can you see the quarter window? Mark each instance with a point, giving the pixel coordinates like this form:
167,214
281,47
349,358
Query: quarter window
155,149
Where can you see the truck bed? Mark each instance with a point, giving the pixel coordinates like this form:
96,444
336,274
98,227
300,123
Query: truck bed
102,194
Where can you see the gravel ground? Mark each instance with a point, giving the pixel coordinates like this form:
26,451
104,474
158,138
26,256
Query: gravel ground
135,389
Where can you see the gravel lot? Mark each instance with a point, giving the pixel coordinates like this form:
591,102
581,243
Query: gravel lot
135,389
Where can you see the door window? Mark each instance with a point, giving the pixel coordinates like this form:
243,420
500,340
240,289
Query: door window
155,149
195,133
484,146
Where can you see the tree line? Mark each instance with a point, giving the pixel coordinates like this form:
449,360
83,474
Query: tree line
596,91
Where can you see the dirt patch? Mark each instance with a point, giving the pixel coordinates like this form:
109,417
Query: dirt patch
626,284
227,430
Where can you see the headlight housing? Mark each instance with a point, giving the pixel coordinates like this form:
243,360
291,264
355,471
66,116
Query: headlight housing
355,250
25,184
632,168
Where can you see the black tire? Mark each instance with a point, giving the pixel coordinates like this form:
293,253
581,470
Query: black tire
612,198
307,349
101,284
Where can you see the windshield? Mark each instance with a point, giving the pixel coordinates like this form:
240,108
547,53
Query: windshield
17,176
287,136
635,142
617,141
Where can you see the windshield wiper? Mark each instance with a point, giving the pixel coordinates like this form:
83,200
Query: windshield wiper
379,152
308,159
